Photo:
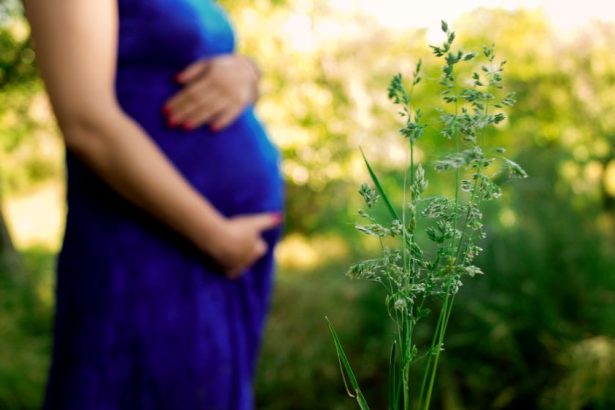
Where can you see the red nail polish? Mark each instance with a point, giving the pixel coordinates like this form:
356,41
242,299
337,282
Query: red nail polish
166,110
177,77
278,217
171,122
187,125
214,128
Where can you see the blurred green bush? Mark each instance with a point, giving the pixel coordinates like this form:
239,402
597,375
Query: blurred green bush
25,329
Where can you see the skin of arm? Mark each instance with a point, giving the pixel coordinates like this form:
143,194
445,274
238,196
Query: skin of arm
75,41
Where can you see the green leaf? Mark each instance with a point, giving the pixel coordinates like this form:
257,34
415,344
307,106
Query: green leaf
341,356
379,187
444,26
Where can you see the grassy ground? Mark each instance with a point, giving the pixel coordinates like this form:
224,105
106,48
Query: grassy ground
538,331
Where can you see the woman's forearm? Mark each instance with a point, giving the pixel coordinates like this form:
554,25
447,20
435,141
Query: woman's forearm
121,153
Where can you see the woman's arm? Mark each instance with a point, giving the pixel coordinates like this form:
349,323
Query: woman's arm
76,42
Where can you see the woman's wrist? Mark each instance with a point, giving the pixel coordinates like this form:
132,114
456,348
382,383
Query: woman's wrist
210,233
254,67
255,74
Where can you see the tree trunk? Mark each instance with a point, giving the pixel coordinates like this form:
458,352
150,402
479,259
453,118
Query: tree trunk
10,262
6,244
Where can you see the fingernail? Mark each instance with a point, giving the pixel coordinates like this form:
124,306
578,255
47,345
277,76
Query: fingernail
166,110
187,125
171,122
177,77
278,217
214,128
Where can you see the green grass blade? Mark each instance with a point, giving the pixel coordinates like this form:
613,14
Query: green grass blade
342,356
393,405
374,177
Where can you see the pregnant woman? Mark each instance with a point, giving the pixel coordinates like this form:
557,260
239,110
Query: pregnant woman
174,205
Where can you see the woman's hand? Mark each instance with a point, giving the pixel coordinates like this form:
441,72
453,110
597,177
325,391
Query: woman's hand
216,92
240,244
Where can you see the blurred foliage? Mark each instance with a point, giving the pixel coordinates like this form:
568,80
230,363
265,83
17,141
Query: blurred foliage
29,143
25,329
537,332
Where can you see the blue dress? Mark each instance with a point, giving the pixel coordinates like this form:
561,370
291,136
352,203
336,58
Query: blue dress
144,320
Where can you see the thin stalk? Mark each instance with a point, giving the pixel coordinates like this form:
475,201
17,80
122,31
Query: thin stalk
404,233
412,268
445,312
393,398
435,337
457,170
409,270
405,366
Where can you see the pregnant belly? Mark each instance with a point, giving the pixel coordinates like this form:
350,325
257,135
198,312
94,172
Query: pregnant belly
236,169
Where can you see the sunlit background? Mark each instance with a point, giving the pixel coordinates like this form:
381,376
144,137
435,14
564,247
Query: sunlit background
536,332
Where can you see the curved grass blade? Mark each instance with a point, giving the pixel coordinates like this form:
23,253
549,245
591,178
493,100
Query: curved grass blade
379,187
341,355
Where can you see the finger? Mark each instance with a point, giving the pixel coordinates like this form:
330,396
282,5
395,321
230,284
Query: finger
205,112
188,96
265,221
259,249
226,117
234,273
206,105
192,71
